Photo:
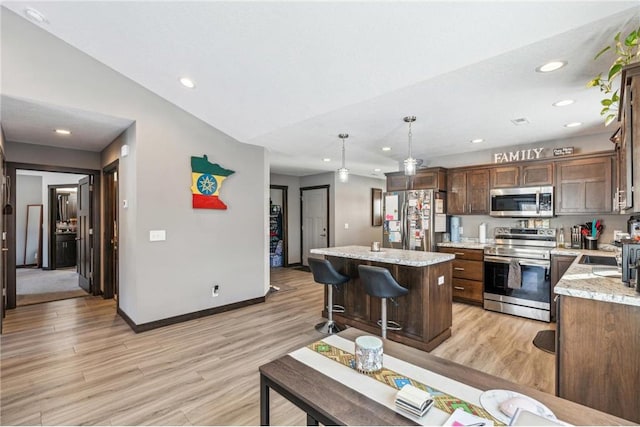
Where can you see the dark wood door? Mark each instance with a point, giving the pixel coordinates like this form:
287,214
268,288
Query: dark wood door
478,192
456,192
111,232
3,240
84,234
584,186
505,176
537,174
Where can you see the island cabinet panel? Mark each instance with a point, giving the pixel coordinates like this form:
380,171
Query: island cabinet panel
597,348
584,186
425,313
559,265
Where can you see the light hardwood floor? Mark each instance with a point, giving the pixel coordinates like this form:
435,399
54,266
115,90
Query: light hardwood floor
76,362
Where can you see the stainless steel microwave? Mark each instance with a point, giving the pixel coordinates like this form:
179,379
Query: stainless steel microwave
522,202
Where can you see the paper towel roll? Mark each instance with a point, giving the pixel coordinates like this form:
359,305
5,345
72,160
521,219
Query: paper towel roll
483,232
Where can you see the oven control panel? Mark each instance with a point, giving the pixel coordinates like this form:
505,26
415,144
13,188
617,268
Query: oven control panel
525,232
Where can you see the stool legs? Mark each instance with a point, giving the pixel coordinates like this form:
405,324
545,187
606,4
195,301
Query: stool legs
384,318
329,327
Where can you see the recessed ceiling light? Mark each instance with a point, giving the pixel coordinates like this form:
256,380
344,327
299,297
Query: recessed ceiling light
187,82
377,170
563,103
35,16
326,159
520,121
573,124
477,140
386,148
62,131
551,66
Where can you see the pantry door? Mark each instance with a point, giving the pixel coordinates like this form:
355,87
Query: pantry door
314,219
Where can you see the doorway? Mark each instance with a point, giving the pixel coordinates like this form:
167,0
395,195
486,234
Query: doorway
111,236
88,236
314,207
278,225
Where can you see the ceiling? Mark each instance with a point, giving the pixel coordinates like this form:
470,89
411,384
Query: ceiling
291,76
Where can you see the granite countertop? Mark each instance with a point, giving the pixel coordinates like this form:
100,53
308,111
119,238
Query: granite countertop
388,255
580,281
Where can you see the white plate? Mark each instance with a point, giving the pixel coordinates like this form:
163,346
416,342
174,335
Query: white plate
492,399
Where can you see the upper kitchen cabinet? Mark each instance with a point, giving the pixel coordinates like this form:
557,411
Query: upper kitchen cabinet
424,179
534,174
468,192
627,194
584,185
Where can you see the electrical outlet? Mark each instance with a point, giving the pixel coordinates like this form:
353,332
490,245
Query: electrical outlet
461,230
215,291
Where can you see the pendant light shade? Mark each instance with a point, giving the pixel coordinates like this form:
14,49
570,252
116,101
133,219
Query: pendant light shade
410,164
343,172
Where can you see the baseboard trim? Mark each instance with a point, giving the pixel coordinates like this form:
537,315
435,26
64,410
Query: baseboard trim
185,317
294,264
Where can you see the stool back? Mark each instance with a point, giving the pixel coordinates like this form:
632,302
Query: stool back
378,282
324,273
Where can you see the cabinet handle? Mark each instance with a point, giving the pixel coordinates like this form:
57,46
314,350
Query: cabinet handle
458,268
460,288
459,253
5,249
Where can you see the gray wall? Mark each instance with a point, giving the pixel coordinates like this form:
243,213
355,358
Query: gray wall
203,247
28,190
353,207
54,156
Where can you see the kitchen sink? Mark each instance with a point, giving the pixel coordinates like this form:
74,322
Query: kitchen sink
598,260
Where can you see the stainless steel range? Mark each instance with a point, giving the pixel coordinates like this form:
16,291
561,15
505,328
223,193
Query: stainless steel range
517,268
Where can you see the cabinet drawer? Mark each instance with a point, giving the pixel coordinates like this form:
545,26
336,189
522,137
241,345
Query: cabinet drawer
463,269
470,254
470,290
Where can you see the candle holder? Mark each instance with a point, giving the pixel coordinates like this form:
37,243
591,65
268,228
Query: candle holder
368,354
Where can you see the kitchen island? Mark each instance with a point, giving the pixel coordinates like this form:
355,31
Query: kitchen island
424,313
598,340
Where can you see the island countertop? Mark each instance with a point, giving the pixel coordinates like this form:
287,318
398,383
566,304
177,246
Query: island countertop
388,255
580,281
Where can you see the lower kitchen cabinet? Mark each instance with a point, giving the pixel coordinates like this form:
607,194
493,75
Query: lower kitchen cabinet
597,348
468,274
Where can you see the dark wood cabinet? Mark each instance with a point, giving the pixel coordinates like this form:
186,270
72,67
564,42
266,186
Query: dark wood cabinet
65,250
597,348
467,275
468,192
526,175
627,190
425,313
584,185
424,179
397,181
559,265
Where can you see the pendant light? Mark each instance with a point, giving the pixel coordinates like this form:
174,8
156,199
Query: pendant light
343,172
410,163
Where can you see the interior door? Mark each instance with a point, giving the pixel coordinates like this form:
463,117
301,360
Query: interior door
315,219
111,232
84,234
3,240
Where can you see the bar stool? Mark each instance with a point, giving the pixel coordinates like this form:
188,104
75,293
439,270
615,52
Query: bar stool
378,282
325,274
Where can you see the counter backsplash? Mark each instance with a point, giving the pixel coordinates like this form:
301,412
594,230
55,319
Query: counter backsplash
471,223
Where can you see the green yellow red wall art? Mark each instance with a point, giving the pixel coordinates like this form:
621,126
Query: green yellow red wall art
206,180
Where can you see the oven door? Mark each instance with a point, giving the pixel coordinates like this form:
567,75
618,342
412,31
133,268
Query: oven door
535,290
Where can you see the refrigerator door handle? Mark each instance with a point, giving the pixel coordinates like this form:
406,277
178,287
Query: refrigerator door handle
403,222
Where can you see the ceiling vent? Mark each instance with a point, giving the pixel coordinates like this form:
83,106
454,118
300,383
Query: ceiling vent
520,121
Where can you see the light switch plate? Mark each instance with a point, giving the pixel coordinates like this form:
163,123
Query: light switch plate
440,280
157,235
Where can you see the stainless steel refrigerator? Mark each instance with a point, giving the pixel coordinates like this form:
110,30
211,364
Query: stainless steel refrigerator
413,219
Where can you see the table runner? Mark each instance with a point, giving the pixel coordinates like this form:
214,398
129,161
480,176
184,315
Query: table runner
443,401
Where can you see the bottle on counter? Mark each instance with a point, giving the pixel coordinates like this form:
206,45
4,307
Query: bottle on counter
560,238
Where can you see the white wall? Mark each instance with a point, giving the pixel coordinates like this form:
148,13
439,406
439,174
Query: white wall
157,279
293,214
28,192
